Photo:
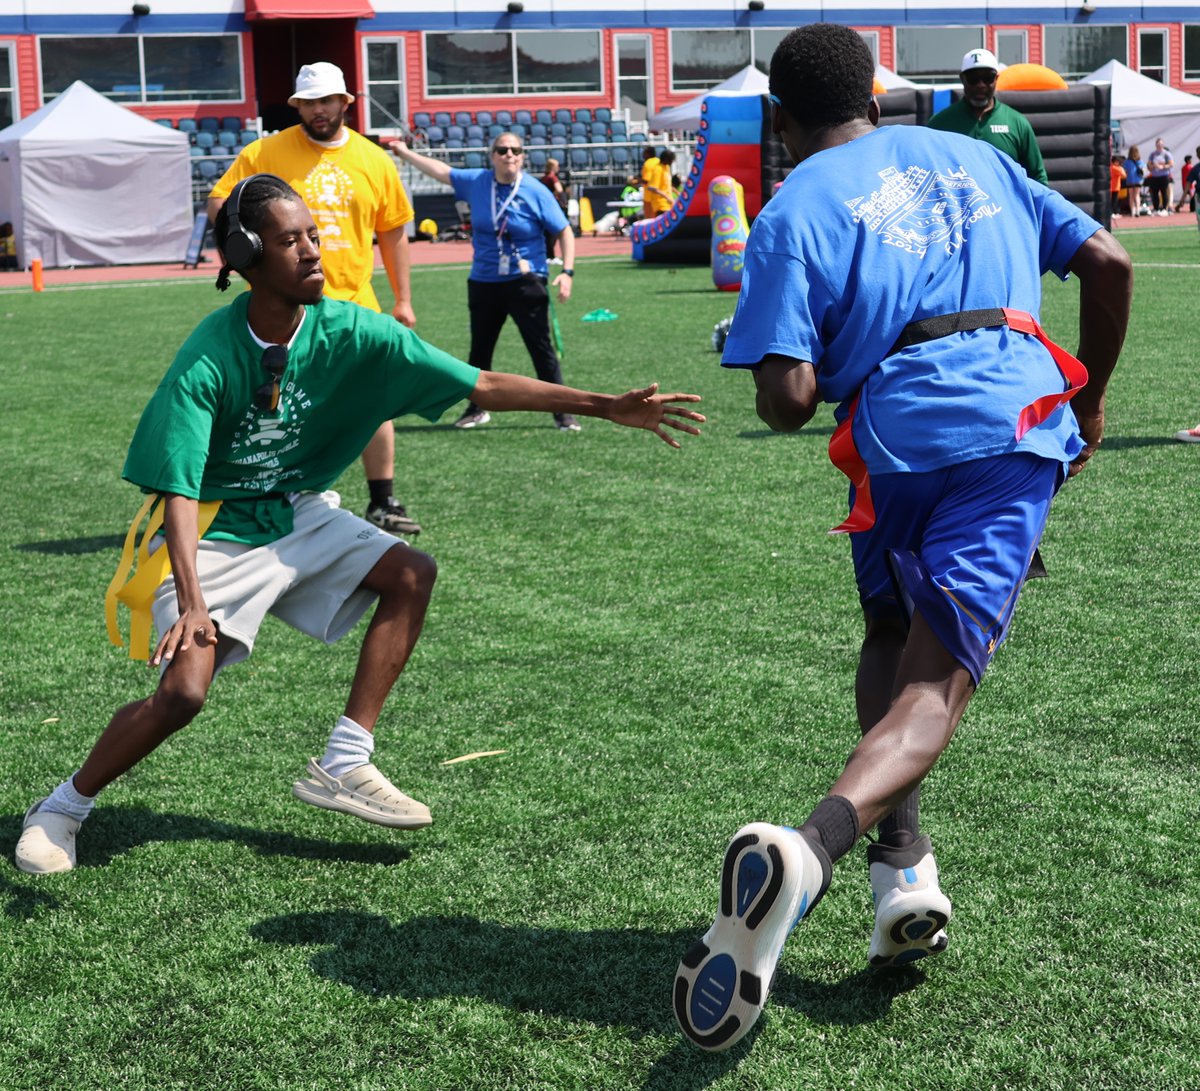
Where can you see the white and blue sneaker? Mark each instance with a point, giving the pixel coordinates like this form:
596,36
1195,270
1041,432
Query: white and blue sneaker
770,879
911,912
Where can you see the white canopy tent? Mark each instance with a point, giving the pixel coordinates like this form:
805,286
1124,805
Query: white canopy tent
87,182
686,116
1148,110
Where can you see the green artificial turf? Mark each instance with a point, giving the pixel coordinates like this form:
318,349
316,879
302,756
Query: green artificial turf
663,644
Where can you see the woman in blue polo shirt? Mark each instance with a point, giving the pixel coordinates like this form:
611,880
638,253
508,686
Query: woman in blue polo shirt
511,215
1135,171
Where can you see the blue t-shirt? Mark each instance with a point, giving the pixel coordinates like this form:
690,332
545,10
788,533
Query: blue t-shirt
528,218
1133,172
901,224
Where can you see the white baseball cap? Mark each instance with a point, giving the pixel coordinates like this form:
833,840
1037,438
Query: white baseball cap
980,58
318,80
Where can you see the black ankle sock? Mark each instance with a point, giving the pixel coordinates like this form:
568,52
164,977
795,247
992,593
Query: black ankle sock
381,491
833,825
903,826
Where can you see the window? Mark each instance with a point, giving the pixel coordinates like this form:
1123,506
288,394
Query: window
1074,51
871,37
934,54
8,88
385,85
764,43
700,59
1012,46
146,68
633,75
1191,52
1152,54
526,62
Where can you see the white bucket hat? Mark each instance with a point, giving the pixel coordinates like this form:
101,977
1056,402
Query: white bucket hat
980,58
318,80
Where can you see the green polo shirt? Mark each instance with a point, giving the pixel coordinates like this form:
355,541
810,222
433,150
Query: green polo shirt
1002,127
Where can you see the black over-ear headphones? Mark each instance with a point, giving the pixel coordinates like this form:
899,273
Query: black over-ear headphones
243,248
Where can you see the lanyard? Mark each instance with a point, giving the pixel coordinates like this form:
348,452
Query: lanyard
497,213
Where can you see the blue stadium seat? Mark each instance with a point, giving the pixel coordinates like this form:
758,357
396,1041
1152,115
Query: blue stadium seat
205,139
456,132
558,153
638,138
537,129
504,117
598,131
536,142
558,131
620,159
421,120
462,119
603,113
483,118
442,119
494,130
164,121
248,136
579,159
436,135
226,138
543,117
616,131
231,124
454,142
187,125
209,170
475,160
195,152
584,114
523,117
601,159
517,129
537,159
476,137
209,125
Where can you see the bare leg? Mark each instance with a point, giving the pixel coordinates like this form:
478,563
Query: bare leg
931,693
140,727
379,458
403,579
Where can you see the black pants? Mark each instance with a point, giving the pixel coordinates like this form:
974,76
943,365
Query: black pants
527,302
1158,192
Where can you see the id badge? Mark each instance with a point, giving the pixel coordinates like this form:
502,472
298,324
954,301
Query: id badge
503,263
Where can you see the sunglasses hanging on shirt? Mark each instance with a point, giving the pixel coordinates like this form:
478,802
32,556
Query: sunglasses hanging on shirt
274,359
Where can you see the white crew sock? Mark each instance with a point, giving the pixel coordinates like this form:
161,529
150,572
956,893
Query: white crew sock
349,747
65,800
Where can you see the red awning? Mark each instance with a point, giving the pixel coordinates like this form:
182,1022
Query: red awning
309,9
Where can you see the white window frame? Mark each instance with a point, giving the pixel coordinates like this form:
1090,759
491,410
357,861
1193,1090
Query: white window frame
1021,35
647,42
1191,64
14,91
871,37
399,43
433,95
1164,36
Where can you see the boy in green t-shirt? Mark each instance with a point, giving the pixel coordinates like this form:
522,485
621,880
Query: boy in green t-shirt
267,402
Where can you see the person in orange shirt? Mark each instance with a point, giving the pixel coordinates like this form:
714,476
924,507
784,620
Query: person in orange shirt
1116,183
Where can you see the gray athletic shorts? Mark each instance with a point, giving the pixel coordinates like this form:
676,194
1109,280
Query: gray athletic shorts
309,578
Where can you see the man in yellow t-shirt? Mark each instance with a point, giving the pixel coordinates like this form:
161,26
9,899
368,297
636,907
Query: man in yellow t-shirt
649,176
353,190
659,192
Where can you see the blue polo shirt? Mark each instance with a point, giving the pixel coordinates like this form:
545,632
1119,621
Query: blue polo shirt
527,218
901,224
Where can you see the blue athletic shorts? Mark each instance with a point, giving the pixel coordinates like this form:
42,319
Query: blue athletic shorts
954,545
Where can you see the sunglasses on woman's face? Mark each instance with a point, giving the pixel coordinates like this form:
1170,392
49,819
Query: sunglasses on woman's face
508,149
274,359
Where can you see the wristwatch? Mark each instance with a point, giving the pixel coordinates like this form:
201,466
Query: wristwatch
569,272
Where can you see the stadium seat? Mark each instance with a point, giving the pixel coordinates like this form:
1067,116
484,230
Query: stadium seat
537,159
558,131
584,114
209,170
166,122
456,132
558,153
462,119
579,159
601,159
536,142
494,130
543,117
226,138
599,132
442,119
476,137
603,113
195,152
231,124
579,133
483,118
517,130
620,159
453,142
248,136
537,129
436,135
421,120
563,116
187,125
638,138
504,117
616,131
209,125
205,139
523,117
475,160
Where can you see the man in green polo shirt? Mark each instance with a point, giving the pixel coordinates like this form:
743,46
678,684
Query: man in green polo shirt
977,114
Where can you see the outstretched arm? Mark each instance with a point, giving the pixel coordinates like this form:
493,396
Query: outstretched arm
787,392
1105,293
180,524
437,169
646,408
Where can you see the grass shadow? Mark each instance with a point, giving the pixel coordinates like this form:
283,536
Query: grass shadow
113,831
767,433
23,902
1122,443
69,547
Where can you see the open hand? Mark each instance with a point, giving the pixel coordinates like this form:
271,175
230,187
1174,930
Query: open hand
193,626
650,410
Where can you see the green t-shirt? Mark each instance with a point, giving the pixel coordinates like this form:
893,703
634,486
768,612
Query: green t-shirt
1003,128
349,369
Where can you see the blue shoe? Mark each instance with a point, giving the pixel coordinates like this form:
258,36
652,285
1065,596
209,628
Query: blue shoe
911,912
771,878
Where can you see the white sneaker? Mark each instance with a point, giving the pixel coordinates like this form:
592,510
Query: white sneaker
770,879
911,912
363,792
1189,435
47,842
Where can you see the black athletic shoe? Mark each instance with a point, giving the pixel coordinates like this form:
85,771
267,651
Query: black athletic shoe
393,518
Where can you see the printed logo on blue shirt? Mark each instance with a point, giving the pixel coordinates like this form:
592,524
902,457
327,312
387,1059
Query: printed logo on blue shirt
917,209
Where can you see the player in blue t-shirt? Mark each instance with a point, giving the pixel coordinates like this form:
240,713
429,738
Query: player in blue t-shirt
910,302
511,215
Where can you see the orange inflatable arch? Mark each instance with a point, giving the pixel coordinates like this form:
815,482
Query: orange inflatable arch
1030,77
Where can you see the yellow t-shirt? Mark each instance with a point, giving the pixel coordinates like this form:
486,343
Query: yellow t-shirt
352,191
661,179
